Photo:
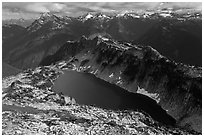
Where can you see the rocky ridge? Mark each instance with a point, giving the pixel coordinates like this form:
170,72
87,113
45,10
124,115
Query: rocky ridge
175,86
31,107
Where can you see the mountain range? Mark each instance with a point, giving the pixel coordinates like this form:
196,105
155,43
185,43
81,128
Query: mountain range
21,22
169,33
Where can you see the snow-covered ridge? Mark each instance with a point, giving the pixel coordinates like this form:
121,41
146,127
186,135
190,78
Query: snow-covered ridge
60,21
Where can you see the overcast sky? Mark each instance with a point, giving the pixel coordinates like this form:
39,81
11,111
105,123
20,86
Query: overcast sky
14,10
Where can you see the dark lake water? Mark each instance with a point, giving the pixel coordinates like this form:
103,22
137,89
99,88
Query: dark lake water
90,90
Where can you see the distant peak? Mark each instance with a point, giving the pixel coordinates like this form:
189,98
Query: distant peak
83,37
21,19
89,15
46,14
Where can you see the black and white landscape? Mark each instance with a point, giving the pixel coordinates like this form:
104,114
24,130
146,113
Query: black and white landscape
101,68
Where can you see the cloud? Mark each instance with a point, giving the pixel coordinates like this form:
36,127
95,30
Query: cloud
56,7
36,7
45,7
11,14
79,8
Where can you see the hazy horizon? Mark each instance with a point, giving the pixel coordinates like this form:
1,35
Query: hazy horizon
32,10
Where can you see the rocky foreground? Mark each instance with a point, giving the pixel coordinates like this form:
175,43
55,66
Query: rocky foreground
30,106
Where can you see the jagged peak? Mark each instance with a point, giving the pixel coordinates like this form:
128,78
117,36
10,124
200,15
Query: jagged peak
86,16
98,15
43,19
89,15
83,37
46,14
101,15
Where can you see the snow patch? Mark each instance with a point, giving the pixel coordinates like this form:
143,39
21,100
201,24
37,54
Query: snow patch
88,16
154,96
111,75
105,39
96,71
119,82
165,15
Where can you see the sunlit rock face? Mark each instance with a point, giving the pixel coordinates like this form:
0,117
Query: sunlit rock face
175,86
